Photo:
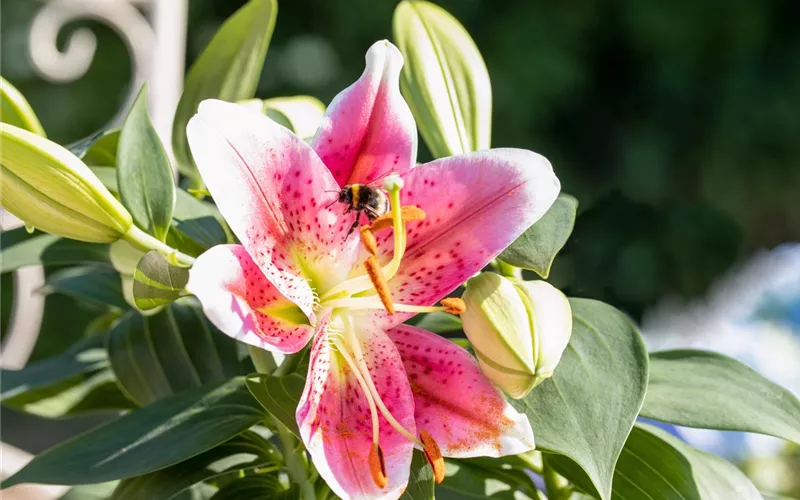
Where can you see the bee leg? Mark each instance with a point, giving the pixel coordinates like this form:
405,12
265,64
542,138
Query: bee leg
355,224
371,213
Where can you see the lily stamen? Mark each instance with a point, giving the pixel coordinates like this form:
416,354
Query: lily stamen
374,302
433,455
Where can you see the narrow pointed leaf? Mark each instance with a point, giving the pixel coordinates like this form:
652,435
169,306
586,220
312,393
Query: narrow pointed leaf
229,69
144,174
20,249
99,149
151,438
420,482
712,391
97,285
175,350
537,248
241,453
261,487
279,396
587,408
74,382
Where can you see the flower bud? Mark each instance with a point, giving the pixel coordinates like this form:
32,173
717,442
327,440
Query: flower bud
51,189
518,330
444,79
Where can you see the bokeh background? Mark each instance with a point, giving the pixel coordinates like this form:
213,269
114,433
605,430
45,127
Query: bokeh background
675,124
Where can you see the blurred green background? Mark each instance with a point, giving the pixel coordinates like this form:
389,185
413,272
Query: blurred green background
675,124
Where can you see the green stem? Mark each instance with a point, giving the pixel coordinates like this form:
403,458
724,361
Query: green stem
295,461
507,270
557,486
531,461
144,241
289,363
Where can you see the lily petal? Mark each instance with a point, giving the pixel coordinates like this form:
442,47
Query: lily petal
335,420
368,129
476,205
236,297
454,403
271,188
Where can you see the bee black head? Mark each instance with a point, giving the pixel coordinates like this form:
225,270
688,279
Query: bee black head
346,195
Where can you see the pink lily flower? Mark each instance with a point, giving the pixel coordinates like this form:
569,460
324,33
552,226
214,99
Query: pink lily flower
375,387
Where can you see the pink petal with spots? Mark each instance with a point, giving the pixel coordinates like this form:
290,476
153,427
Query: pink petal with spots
273,190
235,296
335,423
476,205
368,129
455,403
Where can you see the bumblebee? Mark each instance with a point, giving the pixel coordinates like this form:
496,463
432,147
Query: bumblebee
365,199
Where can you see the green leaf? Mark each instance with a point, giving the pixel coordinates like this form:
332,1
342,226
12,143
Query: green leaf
279,396
537,248
655,464
144,175
100,491
15,109
261,487
172,351
157,282
439,323
97,285
99,149
20,249
712,391
150,438
444,79
229,69
484,478
74,382
420,483
586,410
240,453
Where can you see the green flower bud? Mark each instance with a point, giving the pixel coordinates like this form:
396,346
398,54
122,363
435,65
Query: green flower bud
518,330
444,79
51,189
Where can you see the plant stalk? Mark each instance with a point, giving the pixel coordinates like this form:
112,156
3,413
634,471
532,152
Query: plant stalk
295,461
144,241
557,486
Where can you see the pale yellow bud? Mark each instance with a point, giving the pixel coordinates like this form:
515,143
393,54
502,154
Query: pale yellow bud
518,330
51,189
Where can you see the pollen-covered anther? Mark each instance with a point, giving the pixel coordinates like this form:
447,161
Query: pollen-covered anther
377,466
454,305
379,282
433,455
409,213
368,240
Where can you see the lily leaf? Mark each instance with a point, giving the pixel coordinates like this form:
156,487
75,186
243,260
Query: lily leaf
655,464
99,149
150,438
75,382
279,396
240,453
21,249
537,248
172,351
587,408
712,391
144,174
228,69
97,285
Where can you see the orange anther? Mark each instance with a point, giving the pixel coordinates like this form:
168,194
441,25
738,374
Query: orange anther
368,240
433,455
454,305
379,282
377,467
409,213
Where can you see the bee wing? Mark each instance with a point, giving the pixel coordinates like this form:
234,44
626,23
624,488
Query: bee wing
378,181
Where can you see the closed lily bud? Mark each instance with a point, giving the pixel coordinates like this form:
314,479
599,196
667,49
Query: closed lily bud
51,189
444,79
518,330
